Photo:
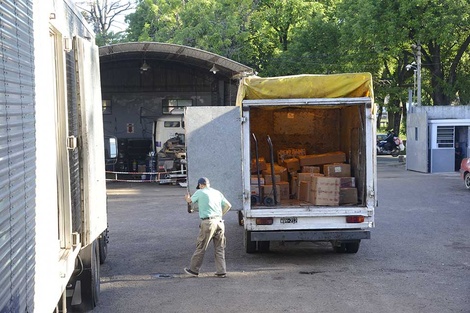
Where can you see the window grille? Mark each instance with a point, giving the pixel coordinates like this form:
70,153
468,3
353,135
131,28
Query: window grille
445,136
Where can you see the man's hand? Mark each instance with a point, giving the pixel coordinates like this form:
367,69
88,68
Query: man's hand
188,198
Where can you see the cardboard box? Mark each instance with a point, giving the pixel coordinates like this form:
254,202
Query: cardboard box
348,196
324,158
324,191
254,190
268,179
292,165
254,179
304,191
310,169
284,190
278,170
289,153
307,176
337,170
262,164
294,185
347,182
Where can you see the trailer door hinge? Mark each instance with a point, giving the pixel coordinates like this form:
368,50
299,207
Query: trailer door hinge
246,195
67,44
71,142
243,119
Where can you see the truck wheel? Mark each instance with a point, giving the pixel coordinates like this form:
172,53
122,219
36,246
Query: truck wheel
95,273
85,288
250,246
352,247
103,244
263,246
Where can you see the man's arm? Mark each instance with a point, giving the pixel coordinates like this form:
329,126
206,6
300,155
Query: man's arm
226,206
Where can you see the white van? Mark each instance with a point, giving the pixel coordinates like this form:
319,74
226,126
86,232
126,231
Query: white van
166,127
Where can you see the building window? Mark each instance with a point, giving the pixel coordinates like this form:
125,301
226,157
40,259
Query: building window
416,133
445,136
169,105
171,124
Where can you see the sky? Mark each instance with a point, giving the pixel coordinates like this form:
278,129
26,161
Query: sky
118,23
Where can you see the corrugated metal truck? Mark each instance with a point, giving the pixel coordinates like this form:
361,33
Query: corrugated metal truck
52,178
296,157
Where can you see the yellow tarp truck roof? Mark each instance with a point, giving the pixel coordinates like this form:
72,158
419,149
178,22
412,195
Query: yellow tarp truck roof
305,86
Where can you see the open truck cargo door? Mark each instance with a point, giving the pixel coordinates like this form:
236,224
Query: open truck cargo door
213,149
91,140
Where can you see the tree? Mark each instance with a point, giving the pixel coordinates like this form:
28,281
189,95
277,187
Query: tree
440,27
102,15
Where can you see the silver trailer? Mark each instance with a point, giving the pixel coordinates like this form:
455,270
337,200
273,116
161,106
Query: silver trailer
52,180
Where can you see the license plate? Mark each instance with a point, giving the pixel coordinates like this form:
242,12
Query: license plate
288,220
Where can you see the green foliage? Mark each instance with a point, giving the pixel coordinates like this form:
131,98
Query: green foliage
284,37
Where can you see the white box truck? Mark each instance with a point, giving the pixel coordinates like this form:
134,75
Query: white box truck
314,136
52,178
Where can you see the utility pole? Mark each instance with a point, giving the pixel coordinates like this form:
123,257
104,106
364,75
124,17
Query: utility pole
418,74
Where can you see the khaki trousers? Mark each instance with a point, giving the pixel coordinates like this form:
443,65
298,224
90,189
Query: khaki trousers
211,229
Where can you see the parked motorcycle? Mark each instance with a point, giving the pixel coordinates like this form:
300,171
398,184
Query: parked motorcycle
392,147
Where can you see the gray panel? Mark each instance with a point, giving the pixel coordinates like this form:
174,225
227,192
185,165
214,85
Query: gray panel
440,160
17,157
417,142
213,142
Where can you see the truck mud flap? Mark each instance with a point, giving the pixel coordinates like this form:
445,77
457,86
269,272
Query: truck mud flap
84,288
310,235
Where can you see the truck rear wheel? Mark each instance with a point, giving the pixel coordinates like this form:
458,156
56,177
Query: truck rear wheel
85,287
263,246
346,247
250,246
103,246
352,247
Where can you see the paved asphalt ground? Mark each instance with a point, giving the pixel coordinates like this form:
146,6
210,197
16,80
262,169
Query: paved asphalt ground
418,259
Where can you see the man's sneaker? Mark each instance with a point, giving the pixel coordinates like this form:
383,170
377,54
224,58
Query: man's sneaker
189,272
220,275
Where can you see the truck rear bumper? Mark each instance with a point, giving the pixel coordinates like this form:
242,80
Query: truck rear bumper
310,235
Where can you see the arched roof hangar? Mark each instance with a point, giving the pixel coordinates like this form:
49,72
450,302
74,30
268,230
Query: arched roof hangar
143,81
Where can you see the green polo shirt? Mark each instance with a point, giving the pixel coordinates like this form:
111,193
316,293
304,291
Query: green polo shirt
210,202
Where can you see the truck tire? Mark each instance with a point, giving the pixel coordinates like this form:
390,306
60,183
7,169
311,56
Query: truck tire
250,246
352,247
263,246
103,245
85,288
346,247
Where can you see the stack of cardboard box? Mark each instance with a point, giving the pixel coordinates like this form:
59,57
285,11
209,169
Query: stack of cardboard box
319,179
